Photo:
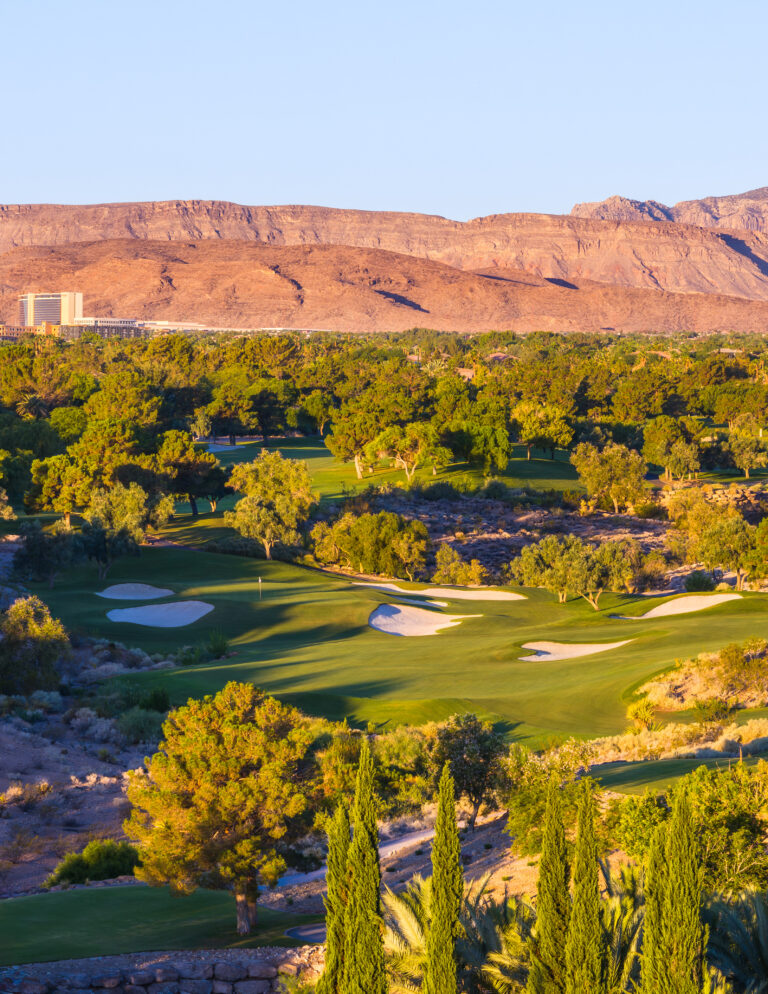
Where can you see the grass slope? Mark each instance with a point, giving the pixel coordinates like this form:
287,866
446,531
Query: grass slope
308,641
105,921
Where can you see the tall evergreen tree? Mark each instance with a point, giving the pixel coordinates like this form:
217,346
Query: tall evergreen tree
674,936
585,952
553,905
335,902
447,891
364,971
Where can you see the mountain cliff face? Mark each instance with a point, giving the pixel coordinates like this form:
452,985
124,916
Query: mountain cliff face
631,253
245,284
742,211
620,264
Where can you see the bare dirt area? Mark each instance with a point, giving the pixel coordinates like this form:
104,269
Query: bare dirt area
60,788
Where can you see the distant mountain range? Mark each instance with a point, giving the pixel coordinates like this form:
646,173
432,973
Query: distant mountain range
620,264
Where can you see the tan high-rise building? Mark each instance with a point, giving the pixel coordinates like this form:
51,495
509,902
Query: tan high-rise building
56,308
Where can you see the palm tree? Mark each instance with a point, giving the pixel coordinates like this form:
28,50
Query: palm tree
622,912
31,406
738,940
492,948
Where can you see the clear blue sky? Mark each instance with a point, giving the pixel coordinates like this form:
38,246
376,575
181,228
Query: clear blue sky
461,109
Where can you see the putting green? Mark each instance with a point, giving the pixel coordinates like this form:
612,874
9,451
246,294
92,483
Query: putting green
105,921
309,641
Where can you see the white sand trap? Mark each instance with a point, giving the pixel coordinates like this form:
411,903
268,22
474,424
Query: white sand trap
547,651
162,615
218,447
134,592
452,593
424,603
413,621
685,605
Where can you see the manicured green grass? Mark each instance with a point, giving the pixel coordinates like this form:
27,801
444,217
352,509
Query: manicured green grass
308,640
103,922
657,775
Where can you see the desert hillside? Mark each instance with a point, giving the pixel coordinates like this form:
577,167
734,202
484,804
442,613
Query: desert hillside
245,284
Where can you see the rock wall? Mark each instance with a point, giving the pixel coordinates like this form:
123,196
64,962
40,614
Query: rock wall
201,975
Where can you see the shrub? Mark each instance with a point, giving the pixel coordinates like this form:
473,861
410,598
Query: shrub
494,490
712,709
102,859
156,699
217,644
189,655
650,510
442,490
699,581
31,644
140,725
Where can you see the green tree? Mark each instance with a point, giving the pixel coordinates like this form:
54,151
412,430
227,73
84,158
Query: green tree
614,473
474,753
541,426
59,484
585,952
337,882
746,447
128,509
548,563
353,429
673,948
408,446
728,543
364,971
278,499
553,905
189,472
31,645
451,568
104,545
224,797
447,894
45,554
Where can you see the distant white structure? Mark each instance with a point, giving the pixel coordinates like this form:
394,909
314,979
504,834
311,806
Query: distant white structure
52,308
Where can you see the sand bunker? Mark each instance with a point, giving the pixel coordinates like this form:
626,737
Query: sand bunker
134,592
413,621
546,651
453,594
421,603
684,605
162,615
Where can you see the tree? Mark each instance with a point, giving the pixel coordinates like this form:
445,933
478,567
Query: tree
31,644
383,543
541,426
364,971
746,448
729,543
595,569
320,407
549,563
474,752
200,423
278,499
128,509
451,568
124,396
337,884
189,471
409,446
104,545
585,948
673,948
6,511
553,905
616,473
352,431
45,554
447,894
59,484
224,797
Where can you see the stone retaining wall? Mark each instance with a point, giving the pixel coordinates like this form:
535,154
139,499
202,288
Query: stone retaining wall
249,976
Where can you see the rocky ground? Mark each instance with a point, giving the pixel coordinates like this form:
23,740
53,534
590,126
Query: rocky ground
495,531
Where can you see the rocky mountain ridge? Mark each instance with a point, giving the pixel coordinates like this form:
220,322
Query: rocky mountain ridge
741,211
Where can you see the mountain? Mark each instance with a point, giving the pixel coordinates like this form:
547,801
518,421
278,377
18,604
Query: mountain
230,283
741,211
226,264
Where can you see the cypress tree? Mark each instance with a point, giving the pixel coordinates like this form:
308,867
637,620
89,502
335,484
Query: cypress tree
674,937
447,892
553,904
335,902
586,948
364,971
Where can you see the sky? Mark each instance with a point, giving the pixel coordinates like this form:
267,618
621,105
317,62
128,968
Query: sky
459,109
